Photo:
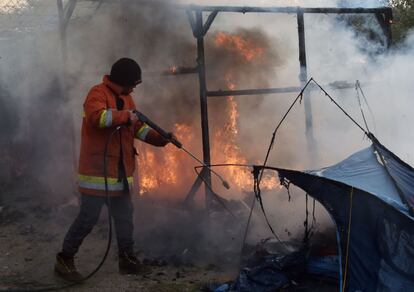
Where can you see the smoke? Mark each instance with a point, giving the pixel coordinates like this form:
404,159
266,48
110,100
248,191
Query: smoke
39,116
302,3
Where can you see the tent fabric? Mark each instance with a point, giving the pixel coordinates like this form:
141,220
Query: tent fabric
381,239
364,170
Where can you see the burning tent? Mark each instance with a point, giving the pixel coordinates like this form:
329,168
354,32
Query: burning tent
370,196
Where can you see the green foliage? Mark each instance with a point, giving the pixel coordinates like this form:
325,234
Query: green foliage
403,18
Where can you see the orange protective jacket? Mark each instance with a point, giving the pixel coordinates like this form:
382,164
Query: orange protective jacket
99,120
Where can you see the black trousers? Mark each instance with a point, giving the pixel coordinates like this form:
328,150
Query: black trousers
90,209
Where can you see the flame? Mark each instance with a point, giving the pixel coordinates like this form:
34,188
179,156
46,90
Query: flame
231,152
226,140
165,170
245,48
161,169
173,69
148,179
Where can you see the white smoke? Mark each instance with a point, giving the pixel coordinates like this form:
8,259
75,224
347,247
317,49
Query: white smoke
30,69
302,3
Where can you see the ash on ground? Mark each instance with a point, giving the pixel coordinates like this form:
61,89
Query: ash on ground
188,250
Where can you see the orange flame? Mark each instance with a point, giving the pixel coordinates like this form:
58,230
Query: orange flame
231,152
173,69
245,48
164,170
161,169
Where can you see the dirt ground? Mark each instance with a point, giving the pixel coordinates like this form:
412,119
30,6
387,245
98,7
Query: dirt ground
32,228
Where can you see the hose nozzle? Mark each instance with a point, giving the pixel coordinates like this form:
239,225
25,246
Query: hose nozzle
175,142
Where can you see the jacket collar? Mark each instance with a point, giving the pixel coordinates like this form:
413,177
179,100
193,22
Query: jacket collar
115,88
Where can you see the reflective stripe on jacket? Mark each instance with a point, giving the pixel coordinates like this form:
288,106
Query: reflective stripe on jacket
99,120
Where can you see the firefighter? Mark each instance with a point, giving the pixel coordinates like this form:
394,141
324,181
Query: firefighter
107,106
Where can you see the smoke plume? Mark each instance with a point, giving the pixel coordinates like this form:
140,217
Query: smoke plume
42,99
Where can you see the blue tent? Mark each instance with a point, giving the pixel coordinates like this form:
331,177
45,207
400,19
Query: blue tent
372,205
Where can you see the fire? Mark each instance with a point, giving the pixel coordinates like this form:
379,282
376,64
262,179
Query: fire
173,69
166,170
148,179
161,169
242,47
226,141
230,152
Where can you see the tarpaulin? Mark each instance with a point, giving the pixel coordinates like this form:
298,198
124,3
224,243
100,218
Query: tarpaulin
381,237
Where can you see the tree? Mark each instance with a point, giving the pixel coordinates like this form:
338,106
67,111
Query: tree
403,18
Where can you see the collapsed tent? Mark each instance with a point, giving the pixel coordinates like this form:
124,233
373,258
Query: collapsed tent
371,205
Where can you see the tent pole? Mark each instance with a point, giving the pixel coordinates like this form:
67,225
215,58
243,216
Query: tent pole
303,77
